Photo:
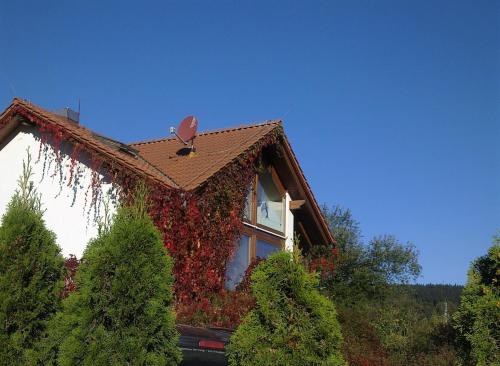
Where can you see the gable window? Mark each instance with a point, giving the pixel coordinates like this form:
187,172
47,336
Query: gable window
270,203
264,225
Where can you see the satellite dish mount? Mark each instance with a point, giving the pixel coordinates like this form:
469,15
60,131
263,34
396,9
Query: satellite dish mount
186,132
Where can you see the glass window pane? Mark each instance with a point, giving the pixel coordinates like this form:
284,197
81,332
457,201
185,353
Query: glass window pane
264,249
270,211
238,263
247,213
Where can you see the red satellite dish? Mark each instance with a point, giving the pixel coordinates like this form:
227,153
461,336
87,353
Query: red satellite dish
187,129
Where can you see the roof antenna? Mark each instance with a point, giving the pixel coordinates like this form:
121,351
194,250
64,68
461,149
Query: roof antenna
78,105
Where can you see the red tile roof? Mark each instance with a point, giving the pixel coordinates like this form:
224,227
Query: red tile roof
214,150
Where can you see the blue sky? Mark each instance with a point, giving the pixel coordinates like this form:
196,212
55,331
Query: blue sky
393,107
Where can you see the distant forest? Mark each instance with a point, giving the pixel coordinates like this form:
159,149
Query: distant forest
434,294
436,299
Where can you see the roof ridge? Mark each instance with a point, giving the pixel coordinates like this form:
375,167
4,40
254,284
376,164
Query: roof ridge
212,132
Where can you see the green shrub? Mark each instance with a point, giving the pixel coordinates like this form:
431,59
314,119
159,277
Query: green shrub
291,324
31,273
478,316
121,311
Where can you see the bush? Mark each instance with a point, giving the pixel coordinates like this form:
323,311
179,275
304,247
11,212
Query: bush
121,310
362,345
31,273
291,324
478,317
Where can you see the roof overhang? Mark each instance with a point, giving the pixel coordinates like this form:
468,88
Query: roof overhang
305,207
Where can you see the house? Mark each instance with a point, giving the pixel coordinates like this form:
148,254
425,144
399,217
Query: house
240,195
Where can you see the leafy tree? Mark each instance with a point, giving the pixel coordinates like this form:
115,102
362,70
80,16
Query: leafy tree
396,322
478,317
364,273
31,273
344,227
377,314
391,261
291,324
121,311
348,281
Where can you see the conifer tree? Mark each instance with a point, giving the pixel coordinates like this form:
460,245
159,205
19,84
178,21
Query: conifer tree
31,272
291,324
121,311
477,320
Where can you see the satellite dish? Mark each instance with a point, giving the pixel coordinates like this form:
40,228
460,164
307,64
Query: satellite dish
186,132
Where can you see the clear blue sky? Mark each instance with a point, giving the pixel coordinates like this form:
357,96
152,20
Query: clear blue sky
393,107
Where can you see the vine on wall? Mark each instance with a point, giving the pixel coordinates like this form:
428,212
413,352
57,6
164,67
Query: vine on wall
60,155
201,227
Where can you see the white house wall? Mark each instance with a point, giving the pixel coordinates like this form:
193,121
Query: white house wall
288,224
67,211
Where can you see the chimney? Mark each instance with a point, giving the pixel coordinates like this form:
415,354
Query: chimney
69,114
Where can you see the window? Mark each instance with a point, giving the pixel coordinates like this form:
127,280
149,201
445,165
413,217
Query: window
264,219
238,263
265,204
264,249
270,203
